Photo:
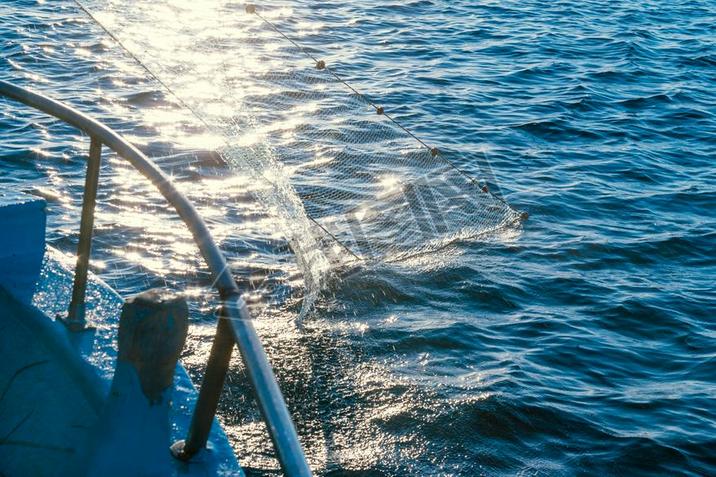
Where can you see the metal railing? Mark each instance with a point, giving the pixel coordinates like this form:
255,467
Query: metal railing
234,325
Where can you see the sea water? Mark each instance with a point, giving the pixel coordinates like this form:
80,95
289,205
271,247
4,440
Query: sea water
581,343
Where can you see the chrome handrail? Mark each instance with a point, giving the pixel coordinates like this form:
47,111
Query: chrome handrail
234,324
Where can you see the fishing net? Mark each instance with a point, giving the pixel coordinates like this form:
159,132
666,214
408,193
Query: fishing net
348,181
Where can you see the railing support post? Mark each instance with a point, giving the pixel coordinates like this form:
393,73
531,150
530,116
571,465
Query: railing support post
214,376
76,312
235,327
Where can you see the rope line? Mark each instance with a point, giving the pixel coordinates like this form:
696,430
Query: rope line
321,65
134,57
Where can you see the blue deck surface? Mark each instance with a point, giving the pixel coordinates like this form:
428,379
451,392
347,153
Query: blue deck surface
48,340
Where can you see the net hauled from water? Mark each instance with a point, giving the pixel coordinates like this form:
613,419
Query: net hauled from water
348,181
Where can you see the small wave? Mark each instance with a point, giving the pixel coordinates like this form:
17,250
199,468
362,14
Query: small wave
144,98
660,99
705,61
555,129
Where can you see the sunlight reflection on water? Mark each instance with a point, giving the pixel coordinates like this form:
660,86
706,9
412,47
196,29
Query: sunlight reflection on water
547,351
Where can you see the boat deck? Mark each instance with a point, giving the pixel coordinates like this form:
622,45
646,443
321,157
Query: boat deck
48,403
51,396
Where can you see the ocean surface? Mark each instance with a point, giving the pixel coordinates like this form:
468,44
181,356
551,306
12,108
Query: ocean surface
581,342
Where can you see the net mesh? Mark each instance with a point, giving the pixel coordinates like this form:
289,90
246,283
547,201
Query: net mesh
347,180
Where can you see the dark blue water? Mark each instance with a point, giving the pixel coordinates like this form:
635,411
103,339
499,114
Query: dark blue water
583,344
